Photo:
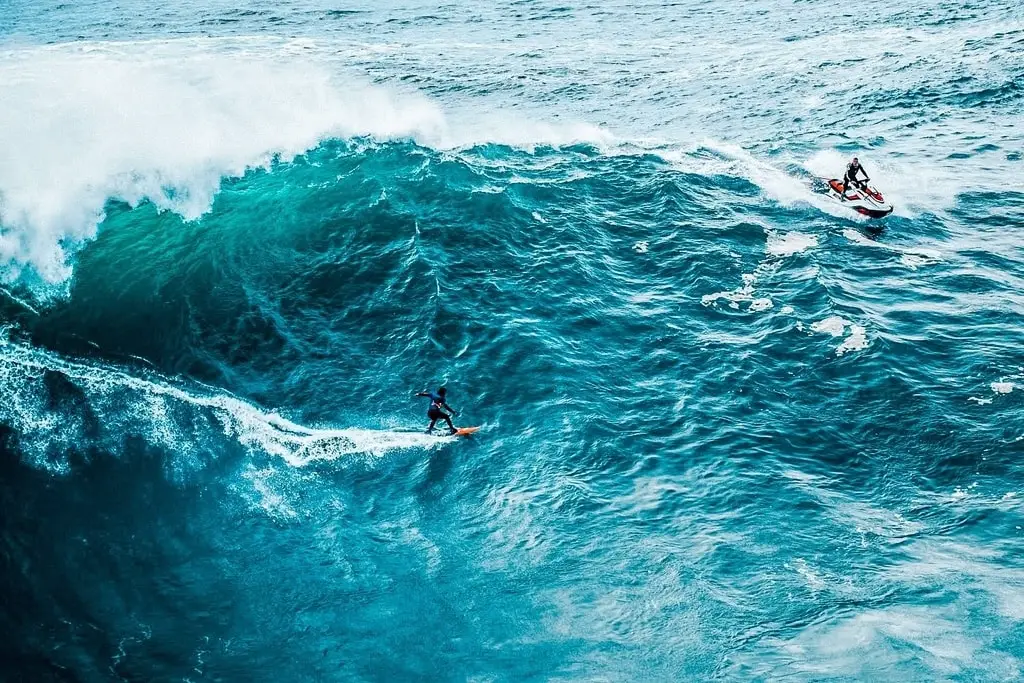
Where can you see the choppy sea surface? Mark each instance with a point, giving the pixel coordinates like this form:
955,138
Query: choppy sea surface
730,430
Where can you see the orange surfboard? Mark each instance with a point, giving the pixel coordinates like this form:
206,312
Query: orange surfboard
463,431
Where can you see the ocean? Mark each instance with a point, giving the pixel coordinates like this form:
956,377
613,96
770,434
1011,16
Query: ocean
730,429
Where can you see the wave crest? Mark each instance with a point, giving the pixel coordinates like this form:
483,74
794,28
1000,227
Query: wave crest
167,121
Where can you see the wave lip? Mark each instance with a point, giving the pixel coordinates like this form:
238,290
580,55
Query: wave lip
167,121
164,124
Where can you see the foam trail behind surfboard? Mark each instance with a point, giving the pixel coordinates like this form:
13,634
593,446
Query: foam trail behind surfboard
176,419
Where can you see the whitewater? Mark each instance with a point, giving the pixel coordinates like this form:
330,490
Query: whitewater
731,430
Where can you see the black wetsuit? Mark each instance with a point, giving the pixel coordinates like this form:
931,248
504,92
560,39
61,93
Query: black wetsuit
434,412
851,175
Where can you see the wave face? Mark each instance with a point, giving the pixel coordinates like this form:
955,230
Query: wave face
730,431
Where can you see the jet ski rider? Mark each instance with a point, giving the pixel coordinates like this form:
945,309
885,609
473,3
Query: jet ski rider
852,169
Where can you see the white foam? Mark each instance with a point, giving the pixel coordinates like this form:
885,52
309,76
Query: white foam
175,418
776,246
871,644
837,326
735,296
790,243
270,499
855,342
833,325
1002,387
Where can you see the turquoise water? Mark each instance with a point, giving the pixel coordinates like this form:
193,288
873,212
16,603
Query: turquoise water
730,430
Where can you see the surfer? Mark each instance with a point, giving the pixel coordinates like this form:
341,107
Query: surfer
435,412
852,169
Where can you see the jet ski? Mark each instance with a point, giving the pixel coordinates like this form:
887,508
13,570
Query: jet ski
865,199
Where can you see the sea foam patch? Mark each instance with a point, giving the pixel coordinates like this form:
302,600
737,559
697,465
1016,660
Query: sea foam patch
790,243
836,326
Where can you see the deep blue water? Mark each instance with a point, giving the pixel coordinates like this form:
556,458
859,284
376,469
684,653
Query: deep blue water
731,431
